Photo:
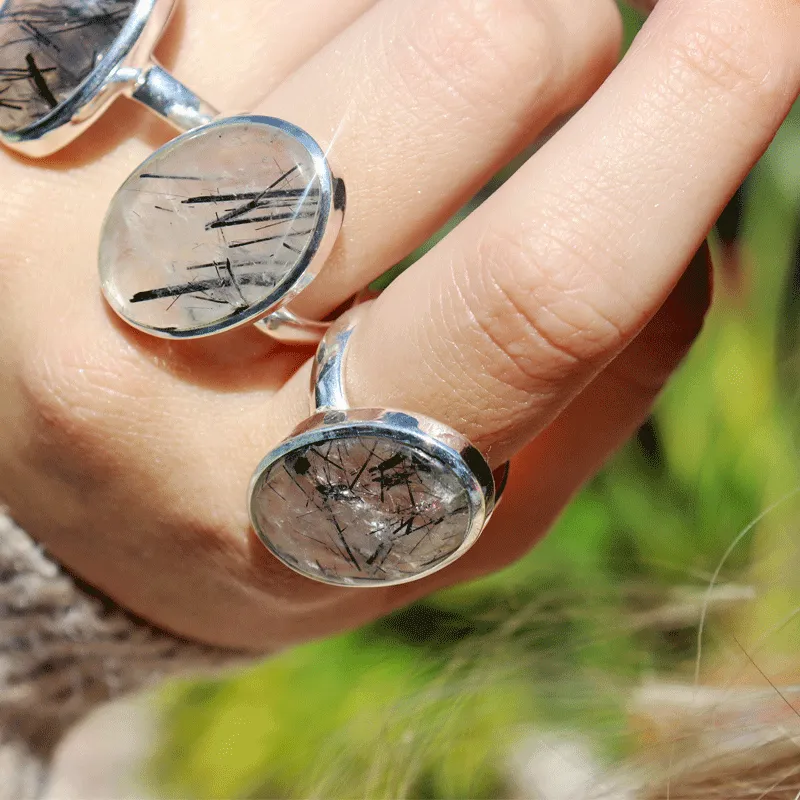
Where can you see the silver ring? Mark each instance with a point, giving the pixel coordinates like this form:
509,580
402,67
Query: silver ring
369,497
221,227
62,62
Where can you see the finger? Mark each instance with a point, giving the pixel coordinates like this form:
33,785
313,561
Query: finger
548,472
421,101
515,312
249,599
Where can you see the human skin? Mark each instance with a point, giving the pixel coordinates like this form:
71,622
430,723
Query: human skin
543,328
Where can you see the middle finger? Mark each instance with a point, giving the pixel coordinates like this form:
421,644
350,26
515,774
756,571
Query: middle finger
421,101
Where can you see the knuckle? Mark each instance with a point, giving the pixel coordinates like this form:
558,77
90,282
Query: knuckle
543,309
467,48
595,45
730,54
517,34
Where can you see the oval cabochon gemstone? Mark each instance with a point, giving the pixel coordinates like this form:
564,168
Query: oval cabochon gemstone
361,509
212,227
48,48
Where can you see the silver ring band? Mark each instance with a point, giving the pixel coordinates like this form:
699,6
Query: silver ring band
163,94
369,497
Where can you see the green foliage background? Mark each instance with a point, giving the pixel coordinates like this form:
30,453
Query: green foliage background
427,702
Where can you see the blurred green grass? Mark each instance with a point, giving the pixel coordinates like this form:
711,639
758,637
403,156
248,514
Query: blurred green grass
427,702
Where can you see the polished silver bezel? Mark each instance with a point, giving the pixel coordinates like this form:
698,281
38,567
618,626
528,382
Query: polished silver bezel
118,72
426,435
328,224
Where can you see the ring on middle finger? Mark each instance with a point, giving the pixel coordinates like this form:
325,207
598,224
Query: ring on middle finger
221,227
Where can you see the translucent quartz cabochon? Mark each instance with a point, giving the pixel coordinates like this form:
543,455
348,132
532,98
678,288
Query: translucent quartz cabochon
48,48
363,508
211,227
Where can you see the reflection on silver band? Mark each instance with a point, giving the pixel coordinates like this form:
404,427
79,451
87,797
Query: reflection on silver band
171,100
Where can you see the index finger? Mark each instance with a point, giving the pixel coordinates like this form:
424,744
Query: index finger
518,309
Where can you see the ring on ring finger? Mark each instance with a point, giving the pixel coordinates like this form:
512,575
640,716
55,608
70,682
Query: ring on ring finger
369,497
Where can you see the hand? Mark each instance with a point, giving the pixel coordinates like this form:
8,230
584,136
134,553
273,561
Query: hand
542,328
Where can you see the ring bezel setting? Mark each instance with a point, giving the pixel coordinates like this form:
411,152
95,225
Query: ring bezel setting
329,204
415,432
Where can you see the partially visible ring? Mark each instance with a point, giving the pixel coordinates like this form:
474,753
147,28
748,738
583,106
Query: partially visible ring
369,497
62,63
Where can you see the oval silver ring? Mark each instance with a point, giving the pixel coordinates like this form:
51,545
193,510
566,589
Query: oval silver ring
369,497
220,227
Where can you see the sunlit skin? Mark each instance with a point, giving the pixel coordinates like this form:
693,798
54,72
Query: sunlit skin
543,328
